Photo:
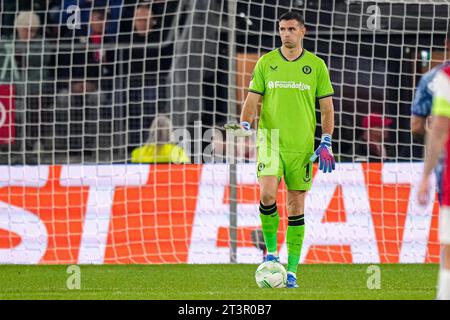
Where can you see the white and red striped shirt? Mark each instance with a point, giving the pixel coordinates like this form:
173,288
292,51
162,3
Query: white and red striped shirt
441,107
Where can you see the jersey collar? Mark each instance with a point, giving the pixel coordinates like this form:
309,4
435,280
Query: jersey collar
298,58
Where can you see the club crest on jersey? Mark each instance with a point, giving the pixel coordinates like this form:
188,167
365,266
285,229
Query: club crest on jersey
261,166
306,69
274,68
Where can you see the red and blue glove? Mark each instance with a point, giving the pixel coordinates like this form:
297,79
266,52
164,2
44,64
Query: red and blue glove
325,154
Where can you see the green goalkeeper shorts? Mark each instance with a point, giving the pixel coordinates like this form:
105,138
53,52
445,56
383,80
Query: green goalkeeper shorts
294,167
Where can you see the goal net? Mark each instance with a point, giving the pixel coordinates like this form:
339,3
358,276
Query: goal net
111,141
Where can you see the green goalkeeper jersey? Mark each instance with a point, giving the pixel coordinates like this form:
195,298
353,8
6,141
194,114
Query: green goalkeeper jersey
289,91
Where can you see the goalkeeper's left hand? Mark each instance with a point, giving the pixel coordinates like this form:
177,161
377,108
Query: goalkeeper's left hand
239,129
325,154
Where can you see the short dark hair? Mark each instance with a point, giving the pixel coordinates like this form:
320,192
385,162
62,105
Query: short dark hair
292,15
144,4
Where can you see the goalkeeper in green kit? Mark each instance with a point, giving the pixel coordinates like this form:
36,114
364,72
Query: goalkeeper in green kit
289,79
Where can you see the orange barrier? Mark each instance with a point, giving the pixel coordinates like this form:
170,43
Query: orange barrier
179,214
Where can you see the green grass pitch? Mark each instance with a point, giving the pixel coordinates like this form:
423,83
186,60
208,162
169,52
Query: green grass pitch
214,282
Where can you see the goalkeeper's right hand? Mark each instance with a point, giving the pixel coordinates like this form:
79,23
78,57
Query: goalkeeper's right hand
239,129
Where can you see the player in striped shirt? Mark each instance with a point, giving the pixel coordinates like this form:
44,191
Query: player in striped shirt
421,110
437,140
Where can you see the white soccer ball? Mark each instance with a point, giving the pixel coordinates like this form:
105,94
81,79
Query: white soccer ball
271,274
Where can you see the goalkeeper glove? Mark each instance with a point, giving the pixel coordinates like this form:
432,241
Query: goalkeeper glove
325,154
239,129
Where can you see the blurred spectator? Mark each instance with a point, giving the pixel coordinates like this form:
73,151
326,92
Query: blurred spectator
90,57
79,125
372,145
91,60
140,67
25,61
10,8
86,68
160,147
127,16
85,6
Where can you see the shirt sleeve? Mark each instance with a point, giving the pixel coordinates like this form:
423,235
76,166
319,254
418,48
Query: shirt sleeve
324,87
423,98
257,83
441,98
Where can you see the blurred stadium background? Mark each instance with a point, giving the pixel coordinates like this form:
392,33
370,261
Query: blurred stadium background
81,82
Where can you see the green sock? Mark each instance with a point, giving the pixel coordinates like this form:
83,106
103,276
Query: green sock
294,240
269,219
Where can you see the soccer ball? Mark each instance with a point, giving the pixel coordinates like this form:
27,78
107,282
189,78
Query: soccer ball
271,274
